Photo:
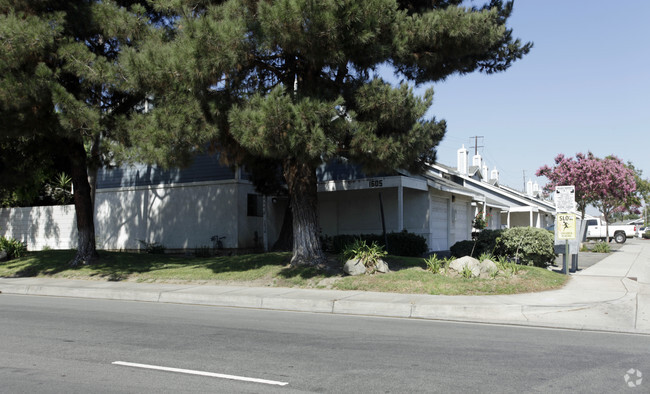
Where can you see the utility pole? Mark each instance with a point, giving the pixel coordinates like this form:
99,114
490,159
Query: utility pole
476,145
524,171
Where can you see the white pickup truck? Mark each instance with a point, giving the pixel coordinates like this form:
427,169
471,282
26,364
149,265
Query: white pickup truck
596,229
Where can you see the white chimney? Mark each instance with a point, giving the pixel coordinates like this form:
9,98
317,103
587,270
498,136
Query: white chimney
494,175
476,160
535,187
484,172
529,187
462,161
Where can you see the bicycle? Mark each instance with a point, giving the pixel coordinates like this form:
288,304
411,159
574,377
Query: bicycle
217,243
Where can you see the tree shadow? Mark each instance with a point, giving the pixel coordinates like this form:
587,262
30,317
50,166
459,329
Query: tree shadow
120,265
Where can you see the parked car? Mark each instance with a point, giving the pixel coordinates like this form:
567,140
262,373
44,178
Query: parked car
641,230
596,229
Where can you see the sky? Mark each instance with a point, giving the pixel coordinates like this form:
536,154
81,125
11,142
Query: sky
584,86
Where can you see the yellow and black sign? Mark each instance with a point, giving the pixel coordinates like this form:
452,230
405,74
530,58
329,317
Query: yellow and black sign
566,226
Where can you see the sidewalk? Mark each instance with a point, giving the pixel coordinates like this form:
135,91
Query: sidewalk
613,295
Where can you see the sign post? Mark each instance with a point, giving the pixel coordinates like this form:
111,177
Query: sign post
565,227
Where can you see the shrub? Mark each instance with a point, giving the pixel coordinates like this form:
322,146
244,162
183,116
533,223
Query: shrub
369,255
529,245
484,243
601,247
463,248
435,264
13,247
399,244
646,235
406,244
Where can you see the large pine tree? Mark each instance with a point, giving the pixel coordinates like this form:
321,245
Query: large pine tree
296,81
61,87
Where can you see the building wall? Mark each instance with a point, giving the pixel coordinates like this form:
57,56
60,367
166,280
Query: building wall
183,216
41,227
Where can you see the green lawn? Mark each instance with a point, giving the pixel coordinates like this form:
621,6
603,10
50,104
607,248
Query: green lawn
272,269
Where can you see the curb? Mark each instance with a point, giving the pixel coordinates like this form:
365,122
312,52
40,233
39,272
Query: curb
359,303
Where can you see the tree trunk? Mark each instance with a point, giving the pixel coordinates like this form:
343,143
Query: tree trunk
86,250
303,195
285,239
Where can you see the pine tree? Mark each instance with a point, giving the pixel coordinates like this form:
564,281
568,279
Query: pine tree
295,81
61,86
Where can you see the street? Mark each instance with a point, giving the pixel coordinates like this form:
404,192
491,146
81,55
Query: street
50,344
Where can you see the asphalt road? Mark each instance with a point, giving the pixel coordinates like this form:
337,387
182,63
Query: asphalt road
71,345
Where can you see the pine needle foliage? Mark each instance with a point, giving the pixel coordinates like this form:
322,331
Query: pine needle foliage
296,82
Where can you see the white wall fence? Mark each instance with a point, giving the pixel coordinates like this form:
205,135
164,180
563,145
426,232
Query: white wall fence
181,216
41,227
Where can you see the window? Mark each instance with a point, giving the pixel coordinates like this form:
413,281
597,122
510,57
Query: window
254,205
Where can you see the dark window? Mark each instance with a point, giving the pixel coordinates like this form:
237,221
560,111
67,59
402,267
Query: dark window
254,205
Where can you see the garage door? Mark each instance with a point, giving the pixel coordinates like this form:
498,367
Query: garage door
460,229
439,224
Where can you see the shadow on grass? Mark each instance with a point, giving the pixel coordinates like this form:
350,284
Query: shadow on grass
119,265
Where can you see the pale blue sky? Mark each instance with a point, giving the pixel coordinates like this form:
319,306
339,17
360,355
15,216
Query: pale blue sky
585,86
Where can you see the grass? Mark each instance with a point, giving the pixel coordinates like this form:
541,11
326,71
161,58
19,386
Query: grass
408,274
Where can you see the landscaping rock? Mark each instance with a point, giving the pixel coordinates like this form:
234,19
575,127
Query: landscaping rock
488,267
3,256
473,264
354,267
382,267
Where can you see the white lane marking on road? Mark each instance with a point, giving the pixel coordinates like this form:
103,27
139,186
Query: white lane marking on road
200,373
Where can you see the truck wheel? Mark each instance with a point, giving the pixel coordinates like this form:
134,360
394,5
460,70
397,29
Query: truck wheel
620,238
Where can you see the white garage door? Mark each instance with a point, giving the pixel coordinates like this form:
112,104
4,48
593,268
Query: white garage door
460,229
439,224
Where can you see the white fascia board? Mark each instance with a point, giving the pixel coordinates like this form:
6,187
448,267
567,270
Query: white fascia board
372,183
467,193
524,209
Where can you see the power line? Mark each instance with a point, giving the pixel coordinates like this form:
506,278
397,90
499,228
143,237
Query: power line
476,145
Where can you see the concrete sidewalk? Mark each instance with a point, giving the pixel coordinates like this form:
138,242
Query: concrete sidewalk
613,295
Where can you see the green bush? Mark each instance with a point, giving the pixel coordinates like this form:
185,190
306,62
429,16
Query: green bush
435,264
601,247
13,247
484,242
646,235
399,244
463,248
369,255
529,245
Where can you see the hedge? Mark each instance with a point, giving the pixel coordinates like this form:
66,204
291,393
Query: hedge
399,244
529,245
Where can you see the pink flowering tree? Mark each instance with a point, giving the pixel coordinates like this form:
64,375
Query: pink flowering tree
576,171
617,189
606,183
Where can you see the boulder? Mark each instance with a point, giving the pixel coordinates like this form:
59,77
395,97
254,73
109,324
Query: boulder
382,267
488,267
473,264
354,267
3,255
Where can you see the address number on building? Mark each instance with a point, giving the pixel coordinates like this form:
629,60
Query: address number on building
376,183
